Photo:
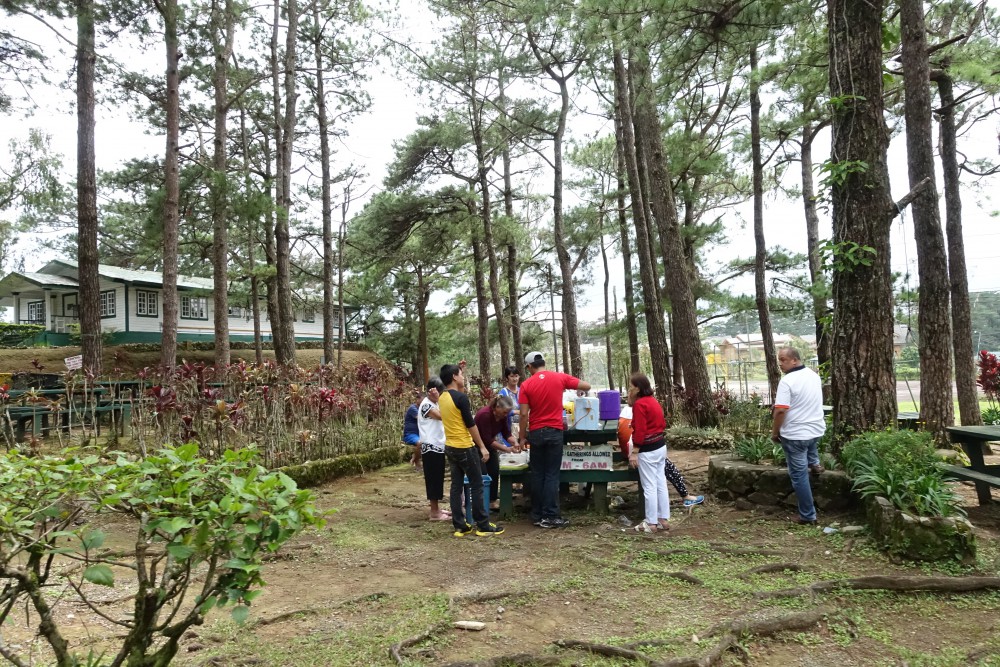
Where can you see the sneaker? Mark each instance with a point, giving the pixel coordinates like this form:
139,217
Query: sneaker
646,527
545,523
805,522
698,500
465,530
559,522
489,529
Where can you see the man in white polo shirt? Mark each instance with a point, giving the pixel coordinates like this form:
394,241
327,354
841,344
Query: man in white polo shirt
798,425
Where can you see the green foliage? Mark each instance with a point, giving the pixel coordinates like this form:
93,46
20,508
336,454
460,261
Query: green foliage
216,518
14,335
846,255
991,416
745,416
902,467
753,449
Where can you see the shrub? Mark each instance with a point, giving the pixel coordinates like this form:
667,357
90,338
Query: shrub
12,335
753,449
202,529
989,378
900,466
744,416
991,416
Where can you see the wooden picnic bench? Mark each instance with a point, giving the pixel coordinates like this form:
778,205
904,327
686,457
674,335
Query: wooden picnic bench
973,439
597,479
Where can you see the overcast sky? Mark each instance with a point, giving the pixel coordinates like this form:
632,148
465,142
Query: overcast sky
393,116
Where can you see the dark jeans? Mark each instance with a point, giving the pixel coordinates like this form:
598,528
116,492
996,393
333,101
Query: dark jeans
799,454
545,463
465,462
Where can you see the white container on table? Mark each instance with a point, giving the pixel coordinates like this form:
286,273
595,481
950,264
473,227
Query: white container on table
585,413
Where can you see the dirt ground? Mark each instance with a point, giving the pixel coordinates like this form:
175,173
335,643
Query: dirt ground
380,574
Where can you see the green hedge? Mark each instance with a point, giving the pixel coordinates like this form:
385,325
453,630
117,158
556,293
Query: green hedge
208,346
315,473
12,335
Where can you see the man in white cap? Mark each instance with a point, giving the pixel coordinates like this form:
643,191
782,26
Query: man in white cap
541,426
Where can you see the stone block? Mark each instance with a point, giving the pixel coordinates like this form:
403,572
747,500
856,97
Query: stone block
745,505
763,498
774,481
921,538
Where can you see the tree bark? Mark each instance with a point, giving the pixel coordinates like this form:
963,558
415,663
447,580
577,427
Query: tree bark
678,283
270,234
86,189
513,290
491,252
607,304
223,29
342,327
478,259
626,249
961,319
171,203
571,331
327,203
934,315
284,329
863,380
423,297
655,334
821,308
760,256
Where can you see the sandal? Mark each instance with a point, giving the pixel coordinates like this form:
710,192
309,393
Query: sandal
645,527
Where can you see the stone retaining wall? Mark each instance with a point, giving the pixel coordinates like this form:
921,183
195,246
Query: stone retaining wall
921,538
733,479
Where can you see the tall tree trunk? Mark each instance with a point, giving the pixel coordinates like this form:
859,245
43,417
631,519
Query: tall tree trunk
863,380
423,298
607,304
86,190
270,234
961,319
934,315
655,334
223,30
821,308
478,259
513,271
552,315
324,158
284,340
171,204
626,248
571,330
760,257
491,252
682,302
342,326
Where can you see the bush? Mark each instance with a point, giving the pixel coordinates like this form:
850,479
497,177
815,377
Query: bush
753,449
902,467
744,416
13,335
202,530
991,417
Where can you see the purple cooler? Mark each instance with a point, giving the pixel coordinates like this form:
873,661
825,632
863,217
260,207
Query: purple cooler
609,404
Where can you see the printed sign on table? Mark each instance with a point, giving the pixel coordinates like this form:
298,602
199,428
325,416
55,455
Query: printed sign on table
587,457
74,363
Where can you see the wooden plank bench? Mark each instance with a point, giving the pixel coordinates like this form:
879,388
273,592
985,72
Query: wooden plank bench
973,439
598,478
38,417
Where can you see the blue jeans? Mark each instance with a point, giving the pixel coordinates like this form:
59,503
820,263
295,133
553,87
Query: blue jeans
800,455
466,462
545,463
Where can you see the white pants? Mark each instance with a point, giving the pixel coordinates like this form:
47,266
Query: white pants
654,485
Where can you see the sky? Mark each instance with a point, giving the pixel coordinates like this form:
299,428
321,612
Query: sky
393,116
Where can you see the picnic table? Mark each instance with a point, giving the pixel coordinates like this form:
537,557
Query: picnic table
972,439
599,479
35,408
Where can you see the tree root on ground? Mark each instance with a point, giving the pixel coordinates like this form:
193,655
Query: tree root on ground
772,567
516,660
680,576
890,583
396,650
729,633
721,549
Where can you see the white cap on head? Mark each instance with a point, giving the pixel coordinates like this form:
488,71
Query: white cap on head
533,359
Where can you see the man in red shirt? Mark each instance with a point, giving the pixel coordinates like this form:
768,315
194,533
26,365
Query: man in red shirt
541,426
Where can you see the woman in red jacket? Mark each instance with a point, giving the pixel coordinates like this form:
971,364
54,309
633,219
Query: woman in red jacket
649,452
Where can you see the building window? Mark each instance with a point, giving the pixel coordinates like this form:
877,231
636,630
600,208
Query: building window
309,315
235,311
194,308
108,302
146,303
36,312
